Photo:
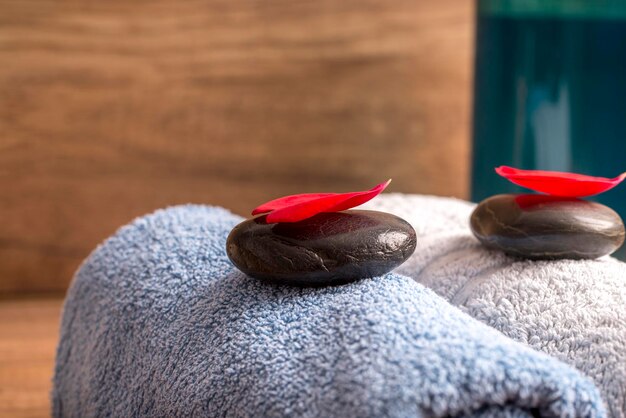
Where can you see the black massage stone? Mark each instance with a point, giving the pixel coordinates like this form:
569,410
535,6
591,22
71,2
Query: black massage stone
326,249
547,227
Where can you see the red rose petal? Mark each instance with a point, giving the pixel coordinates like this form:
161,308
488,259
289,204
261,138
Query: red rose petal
295,208
530,202
282,202
558,183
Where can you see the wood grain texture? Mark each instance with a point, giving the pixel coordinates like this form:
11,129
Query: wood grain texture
28,338
111,109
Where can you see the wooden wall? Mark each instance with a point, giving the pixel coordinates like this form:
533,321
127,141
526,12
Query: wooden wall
110,109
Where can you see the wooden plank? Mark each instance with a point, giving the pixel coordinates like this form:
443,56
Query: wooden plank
28,338
111,109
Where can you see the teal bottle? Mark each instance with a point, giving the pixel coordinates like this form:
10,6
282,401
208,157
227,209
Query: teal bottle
550,92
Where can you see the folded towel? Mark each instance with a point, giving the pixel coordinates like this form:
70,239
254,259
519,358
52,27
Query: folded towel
159,323
573,310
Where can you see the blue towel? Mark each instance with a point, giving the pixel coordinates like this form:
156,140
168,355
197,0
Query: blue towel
158,323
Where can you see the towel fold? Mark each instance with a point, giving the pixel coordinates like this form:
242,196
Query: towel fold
158,322
574,310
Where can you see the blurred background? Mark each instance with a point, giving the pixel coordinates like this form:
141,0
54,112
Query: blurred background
109,110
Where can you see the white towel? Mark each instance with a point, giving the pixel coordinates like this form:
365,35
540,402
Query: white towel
574,310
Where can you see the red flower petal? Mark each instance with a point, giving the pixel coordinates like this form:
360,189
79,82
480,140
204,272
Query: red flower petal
297,207
558,183
282,202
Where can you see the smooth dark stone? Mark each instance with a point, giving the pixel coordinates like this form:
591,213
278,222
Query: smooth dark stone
547,227
328,248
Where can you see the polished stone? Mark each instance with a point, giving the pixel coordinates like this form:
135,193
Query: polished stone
547,227
328,248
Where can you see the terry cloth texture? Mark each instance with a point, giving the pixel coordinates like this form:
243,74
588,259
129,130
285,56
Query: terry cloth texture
572,310
158,323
